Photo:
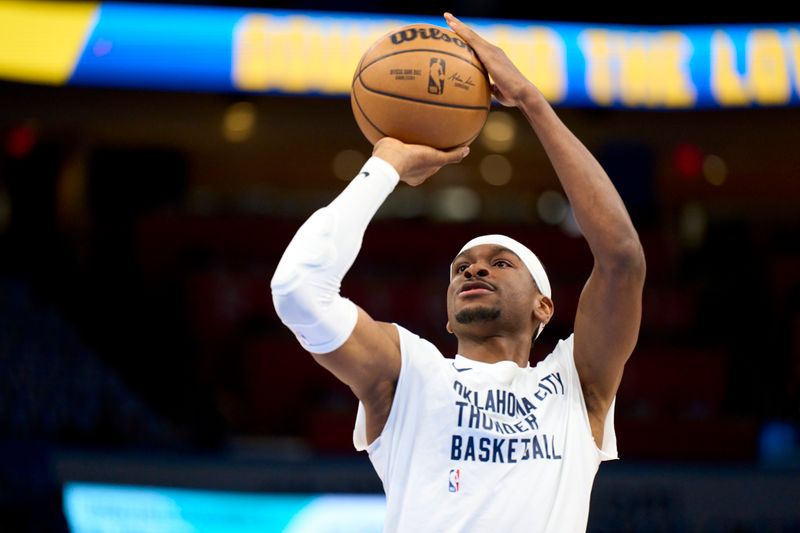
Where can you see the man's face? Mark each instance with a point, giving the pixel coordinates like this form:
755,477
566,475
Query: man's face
491,290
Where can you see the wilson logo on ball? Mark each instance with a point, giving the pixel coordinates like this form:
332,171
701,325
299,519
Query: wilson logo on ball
410,34
436,76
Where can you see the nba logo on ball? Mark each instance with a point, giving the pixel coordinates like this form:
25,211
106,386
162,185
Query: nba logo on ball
436,76
454,480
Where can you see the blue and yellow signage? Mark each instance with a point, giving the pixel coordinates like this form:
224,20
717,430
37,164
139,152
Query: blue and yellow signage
294,52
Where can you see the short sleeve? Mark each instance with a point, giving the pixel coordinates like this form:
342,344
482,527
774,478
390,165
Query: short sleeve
360,429
608,451
417,358
563,354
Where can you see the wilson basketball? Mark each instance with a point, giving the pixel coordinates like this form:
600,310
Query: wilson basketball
421,84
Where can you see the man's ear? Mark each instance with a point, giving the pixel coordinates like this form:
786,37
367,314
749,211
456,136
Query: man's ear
449,329
543,308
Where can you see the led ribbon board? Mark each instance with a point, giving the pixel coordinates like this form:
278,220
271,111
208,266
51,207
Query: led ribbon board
201,48
92,507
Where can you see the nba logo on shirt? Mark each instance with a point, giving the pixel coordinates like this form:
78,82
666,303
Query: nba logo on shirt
454,480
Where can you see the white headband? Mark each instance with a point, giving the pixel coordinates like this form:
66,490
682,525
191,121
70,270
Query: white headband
524,253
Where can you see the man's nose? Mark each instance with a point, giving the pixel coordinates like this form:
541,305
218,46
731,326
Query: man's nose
475,270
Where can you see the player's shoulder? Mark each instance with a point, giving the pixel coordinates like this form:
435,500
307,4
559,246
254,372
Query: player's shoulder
414,346
561,353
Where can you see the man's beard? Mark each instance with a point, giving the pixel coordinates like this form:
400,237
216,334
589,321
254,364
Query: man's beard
479,314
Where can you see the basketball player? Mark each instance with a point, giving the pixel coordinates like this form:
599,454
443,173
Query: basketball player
484,441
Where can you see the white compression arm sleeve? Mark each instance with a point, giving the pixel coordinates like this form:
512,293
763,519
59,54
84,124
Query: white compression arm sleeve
305,286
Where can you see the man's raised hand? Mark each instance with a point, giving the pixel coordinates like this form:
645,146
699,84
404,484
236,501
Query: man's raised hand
509,85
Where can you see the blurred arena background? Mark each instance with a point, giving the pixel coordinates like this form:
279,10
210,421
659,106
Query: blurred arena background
146,383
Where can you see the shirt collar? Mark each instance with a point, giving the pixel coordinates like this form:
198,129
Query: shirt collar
466,362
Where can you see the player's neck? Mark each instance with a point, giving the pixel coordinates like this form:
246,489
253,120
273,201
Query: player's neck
497,348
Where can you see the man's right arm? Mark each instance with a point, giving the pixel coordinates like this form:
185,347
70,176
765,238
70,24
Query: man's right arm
361,352
369,363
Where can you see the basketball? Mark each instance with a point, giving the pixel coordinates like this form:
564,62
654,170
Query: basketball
421,84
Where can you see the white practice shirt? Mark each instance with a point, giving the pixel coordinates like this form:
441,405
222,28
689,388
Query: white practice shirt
478,447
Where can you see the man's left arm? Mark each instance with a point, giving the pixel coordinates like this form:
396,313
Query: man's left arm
610,306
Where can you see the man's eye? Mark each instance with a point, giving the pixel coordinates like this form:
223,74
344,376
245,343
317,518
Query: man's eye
502,263
461,268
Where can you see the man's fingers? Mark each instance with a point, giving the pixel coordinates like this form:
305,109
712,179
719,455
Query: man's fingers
461,29
464,31
447,157
456,155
